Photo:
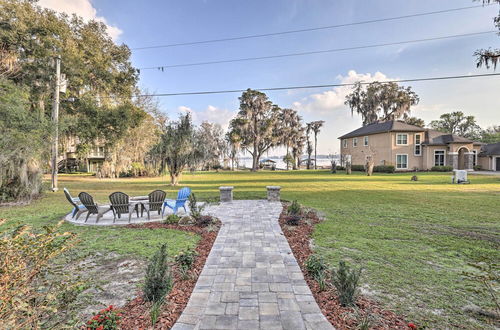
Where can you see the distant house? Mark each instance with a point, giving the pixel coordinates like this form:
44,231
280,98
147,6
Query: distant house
409,147
91,162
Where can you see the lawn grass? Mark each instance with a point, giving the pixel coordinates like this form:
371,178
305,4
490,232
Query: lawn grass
413,239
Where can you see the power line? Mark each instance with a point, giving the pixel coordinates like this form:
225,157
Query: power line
321,86
162,67
308,29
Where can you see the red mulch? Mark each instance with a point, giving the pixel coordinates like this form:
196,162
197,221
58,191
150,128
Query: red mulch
340,317
136,313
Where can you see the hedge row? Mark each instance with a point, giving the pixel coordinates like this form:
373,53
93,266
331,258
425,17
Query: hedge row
442,169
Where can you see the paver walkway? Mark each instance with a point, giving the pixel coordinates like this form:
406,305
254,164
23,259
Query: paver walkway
251,280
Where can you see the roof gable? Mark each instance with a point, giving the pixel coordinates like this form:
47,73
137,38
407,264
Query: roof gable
383,127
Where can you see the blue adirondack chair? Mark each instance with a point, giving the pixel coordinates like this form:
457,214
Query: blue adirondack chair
175,204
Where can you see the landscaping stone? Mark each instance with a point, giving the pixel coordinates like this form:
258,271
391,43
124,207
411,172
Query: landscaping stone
251,279
226,194
273,193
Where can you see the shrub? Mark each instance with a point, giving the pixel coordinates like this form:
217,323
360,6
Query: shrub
442,169
185,259
26,275
195,209
294,208
107,318
340,168
346,281
478,167
384,169
293,220
172,219
360,168
316,266
158,280
204,220
155,311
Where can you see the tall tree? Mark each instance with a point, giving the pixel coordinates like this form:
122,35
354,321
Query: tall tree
298,145
210,145
309,147
381,101
316,127
179,145
288,122
491,134
255,124
415,121
233,146
489,57
459,124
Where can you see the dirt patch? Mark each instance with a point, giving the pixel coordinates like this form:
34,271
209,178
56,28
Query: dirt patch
114,281
136,312
340,317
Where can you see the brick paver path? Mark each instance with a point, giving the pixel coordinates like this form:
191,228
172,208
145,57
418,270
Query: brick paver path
251,280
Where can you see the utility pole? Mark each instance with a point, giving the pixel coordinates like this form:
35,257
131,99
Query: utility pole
55,120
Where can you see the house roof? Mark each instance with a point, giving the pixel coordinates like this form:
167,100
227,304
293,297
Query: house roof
491,149
382,127
432,137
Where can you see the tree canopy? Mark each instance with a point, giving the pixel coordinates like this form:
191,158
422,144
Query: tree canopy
381,101
458,123
489,57
255,124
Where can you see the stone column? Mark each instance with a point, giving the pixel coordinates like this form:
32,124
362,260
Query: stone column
226,194
469,161
273,193
452,160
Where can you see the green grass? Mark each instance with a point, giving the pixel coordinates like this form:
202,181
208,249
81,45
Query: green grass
413,239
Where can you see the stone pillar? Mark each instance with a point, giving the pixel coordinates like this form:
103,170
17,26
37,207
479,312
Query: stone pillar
273,193
226,194
452,160
469,161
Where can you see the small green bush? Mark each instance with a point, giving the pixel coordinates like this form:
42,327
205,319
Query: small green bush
172,219
294,208
195,208
186,259
155,311
316,266
442,169
384,169
158,280
478,167
346,281
359,168
340,168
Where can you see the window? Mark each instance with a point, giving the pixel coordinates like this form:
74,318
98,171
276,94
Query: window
439,158
474,158
418,145
401,139
365,141
344,143
401,161
355,142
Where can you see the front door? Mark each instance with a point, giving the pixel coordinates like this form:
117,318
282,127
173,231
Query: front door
498,164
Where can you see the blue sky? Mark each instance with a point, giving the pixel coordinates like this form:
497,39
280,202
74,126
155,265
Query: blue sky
146,23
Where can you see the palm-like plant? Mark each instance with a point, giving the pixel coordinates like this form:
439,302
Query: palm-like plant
289,122
315,127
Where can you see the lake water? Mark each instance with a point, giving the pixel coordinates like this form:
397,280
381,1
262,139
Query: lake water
280,164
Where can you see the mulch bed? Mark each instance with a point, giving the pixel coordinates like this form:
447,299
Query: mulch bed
135,314
340,317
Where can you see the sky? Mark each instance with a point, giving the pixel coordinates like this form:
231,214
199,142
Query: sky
159,22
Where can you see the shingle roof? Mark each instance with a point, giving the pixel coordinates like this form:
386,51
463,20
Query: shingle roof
434,137
491,149
382,127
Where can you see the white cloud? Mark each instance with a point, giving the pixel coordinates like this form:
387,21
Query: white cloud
83,8
323,103
211,114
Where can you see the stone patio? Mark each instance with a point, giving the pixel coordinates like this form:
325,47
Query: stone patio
251,280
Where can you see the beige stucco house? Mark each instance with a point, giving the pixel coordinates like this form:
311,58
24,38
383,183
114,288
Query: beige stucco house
409,147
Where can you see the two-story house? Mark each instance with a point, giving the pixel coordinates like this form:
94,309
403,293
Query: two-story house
409,147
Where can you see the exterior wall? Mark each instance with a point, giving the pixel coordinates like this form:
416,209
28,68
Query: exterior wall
383,148
429,156
488,163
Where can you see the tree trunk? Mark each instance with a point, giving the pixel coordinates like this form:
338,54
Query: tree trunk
348,167
255,162
287,164
369,168
174,178
315,154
